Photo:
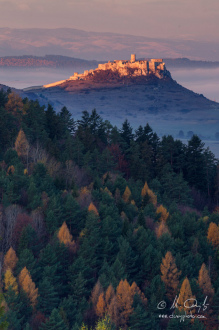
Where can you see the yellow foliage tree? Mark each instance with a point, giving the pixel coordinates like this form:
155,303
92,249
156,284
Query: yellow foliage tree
127,195
92,208
186,299
26,283
11,169
10,280
10,260
21,144
204,281
146,191
213,234
170,275
163,213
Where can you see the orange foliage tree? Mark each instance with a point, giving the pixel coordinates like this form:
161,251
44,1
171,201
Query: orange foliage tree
204,282
185,301
213,234
92,208
26,283
161,229
170,275
163,213
15,104
64,235
101,306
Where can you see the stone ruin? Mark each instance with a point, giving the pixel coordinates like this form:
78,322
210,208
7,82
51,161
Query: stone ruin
139,68
123,68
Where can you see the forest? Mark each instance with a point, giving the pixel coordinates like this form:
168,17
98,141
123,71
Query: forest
104,228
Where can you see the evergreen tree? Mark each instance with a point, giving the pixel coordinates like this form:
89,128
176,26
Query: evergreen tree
48,297
55,322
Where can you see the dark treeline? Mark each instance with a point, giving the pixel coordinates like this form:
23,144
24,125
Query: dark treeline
99,225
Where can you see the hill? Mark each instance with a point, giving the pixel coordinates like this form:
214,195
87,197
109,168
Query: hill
101,46
168,106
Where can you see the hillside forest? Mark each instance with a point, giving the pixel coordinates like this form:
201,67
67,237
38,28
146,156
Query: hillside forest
104,228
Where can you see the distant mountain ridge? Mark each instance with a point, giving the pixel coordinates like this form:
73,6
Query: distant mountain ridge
60,61
100,46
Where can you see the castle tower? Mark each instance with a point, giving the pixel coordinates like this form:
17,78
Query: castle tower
133,58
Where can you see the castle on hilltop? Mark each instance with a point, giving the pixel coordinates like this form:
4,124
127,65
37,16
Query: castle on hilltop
137,68
131,68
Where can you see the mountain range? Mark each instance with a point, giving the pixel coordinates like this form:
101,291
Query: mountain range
100,46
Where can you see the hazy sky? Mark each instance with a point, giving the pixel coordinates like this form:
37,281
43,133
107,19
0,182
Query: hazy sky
190,19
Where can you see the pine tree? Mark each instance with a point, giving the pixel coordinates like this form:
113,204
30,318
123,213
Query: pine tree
204,282
3,322
55,322
213,234
170,275
185,300
10,281
10,259
26,283
48,297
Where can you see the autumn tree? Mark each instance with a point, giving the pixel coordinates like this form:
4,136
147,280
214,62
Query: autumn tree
101,306
10,281
109,295
14,105
161,229
213,234
148,193
65,237
26,283
127,195
10,260
163,213
21,144
170,275
97,290
186,299
204,281
92,208
124,298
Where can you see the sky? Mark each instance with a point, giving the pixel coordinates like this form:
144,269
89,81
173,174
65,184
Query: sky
187,19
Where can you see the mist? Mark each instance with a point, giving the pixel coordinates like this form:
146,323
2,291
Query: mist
201,81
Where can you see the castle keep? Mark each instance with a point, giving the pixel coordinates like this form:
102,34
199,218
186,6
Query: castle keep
123,68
